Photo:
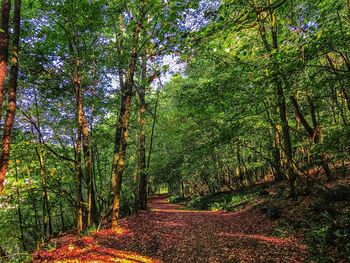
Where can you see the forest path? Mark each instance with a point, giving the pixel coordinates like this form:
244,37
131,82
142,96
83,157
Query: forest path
168,233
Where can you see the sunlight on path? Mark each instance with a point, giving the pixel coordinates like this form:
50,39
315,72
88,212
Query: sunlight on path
88,249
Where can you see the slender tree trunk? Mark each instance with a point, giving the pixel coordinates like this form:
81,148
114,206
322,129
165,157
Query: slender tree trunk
182,189
342,86
78,164
286,138
311,132
4,48
282,108
276,153
276,164
119,159
36,214
346,97
136,181
239,165
82,123
95,211
11,108
120,52
142,139
47,222
280,98
95,169
122,129
91,209
312,112
78,171
61,206
152,131
97,161
19,210
314,133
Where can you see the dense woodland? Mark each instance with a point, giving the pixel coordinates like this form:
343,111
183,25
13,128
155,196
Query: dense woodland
104,103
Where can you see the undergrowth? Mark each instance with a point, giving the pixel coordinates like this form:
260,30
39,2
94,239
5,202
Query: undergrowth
221,201
322,220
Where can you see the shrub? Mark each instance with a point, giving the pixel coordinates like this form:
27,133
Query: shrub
220,201
177,199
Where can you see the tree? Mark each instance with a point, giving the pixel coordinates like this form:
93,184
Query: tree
12,93
122,125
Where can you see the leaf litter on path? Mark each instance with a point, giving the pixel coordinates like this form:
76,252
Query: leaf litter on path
168,233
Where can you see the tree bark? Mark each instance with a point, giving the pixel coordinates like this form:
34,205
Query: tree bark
142,139
4,48
240,172
78,164
11,108
276,153
32,196
61,206
19,209
313,133
47,222
282,108
286,138
78,171
84,128
152,131
122,129
342,86
279,92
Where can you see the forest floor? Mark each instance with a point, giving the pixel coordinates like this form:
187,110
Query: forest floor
170,233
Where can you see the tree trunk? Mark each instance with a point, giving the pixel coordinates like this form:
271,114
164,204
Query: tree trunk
311,132
82,123
19,210
280,98
32,196
314,133
152,131
61,206
346,97
11,108
276,153
142,140
78,171
342,86
282,108
4,48
286,138
47,222
312,112
240,172
122,129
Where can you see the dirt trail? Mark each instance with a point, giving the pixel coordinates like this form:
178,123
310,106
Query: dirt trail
168,233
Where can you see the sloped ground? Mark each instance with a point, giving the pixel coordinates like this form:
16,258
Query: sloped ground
168,233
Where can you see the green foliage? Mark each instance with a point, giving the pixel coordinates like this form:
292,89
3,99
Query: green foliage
329,235
175,199
217,123
89,231
221,201
325,224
